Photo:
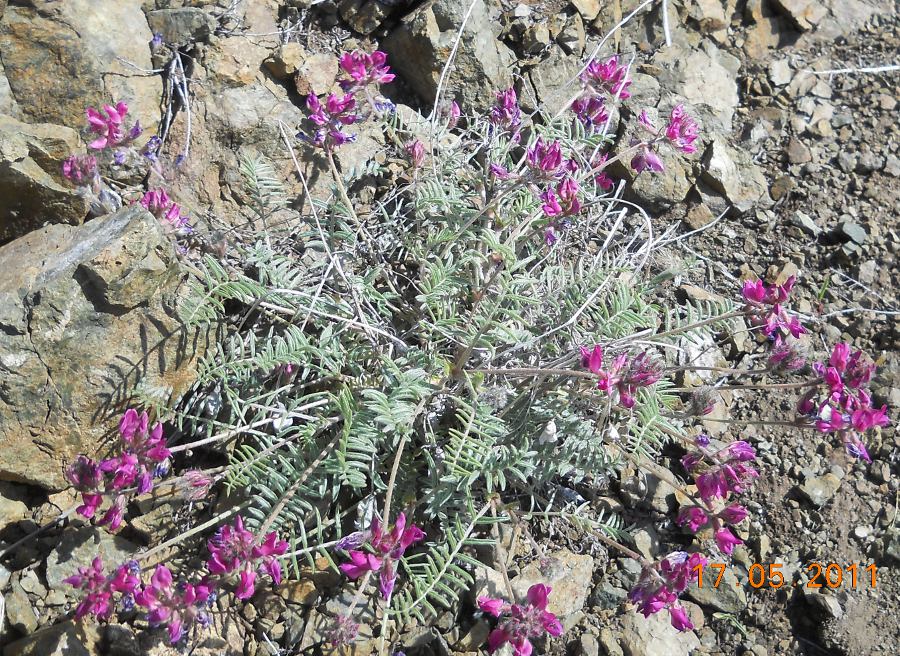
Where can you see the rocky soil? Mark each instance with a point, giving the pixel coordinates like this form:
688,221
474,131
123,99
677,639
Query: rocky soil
797,174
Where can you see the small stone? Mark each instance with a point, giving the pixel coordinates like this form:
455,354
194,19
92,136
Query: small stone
655,636
805,223
588,645
728,597
826,604
589,9
804,14
698,216
819,490
301,592
19,611
181,26
861,532
854,232
567,573
797,152
780,72
610,643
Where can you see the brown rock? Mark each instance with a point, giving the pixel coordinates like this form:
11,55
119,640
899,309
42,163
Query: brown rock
797,152
32,188
803,14
61,57
86,314
781,187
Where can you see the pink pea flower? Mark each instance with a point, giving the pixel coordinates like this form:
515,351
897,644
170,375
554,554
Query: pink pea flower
455,113
786,357
505,114
179,607
660,585
601,177
591,111
522,622
592,359
500,172
416,151
765,308
195,485
682,130
110,126
647,160
235,549
726,540
693,517
626,374
544,159
733,514
387,547
365,69
80,169
564,201
607,77
343,632
115,514
100,589
159,204
722,472
331,117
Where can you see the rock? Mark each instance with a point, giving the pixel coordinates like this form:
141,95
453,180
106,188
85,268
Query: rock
655,636
549,79
66,639
825,605
854,232
797,152
890,546
567,573
732,173
234,62
365,16
698,216
19,610
571,37
86,313
780,72
803,14
709,15
301,592
32,188
44,51
78,548
704,76
588,645
419,47
819,490
609,643
656,191
805,223
608,596
181,26
11,510
728,597
587,9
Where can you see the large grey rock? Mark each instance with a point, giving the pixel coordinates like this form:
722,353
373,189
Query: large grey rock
729,596
732,173
86,313
61,57
803,14
655,636
66,639
568,574
420,46
77,548
702,76
32,189
182,25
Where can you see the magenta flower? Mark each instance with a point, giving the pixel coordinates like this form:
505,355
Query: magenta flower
505,114
99,588
500,172
733,514
331,117
416,151
365,69
590,109
545,160
624,376
80,169
592,359
195,485
180,607
388,546
109,126
601,177
235,549
607,77
727,540
647,160
343,632
786,357
693,517
660,585
764,308
455,113
682,130
564,201
523,622
159,204
115,514
722,472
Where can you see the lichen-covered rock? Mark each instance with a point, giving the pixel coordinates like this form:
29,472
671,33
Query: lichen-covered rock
733,174
86,313
181,26
32,189
420,46
65,639
61,57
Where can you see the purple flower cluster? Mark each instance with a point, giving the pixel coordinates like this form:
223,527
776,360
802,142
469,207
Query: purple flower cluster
607,77
159,204
81,169
681,132
144,457
718,474
338,111
181,605
765,308
505,114
522,622
386,548
846,408
235,549
660,585
625,374
110,127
